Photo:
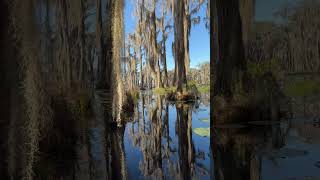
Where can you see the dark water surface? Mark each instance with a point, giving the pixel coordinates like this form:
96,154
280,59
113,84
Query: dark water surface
286,149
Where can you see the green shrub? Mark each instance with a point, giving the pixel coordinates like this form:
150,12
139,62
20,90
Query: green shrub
204,89
163,91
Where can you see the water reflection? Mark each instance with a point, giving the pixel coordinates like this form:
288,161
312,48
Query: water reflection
156,142
164,138
262,150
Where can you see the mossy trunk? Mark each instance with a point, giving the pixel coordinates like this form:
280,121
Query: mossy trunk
117,54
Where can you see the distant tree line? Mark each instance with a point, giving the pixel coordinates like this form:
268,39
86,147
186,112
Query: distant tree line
292,40
146,63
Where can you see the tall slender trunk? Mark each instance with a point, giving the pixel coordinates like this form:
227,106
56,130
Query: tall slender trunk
186,34
141,73
117,47
181,78
154,46
164,60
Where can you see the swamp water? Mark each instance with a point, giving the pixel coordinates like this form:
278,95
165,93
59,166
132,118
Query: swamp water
166,140
286,149
160,139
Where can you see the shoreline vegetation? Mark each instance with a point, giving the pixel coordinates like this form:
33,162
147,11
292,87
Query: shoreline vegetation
167,90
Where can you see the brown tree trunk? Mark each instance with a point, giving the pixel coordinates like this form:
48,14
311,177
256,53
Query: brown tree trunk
186,34
164,60
117,53
181,78
229,64
155,57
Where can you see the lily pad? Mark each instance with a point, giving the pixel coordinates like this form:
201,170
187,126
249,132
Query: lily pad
204,132
204,119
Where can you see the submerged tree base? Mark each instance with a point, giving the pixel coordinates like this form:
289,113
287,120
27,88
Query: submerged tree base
262,102
188,94
185,96
129,105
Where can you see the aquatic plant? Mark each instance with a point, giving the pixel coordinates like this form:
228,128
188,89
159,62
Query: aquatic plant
204,132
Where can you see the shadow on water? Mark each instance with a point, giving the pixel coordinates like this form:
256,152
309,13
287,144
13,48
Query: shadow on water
158,141
286,148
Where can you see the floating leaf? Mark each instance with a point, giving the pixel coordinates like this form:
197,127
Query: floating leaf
204,132
204,119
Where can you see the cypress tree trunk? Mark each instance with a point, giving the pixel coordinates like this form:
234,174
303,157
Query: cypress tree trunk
117,47
186,34
229,64
179,47
164,60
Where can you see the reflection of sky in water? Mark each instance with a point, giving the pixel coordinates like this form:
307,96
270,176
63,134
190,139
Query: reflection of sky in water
134,154
203,143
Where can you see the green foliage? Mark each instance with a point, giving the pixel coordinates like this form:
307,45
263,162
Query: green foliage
163,91
191,83
302,88
134,94
204,89
204,119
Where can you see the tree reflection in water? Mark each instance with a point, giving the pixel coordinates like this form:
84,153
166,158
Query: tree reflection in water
83,145
259,150
163,156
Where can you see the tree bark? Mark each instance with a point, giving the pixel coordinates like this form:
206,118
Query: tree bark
230,63
179,47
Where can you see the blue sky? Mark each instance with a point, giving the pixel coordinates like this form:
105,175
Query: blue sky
199,39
